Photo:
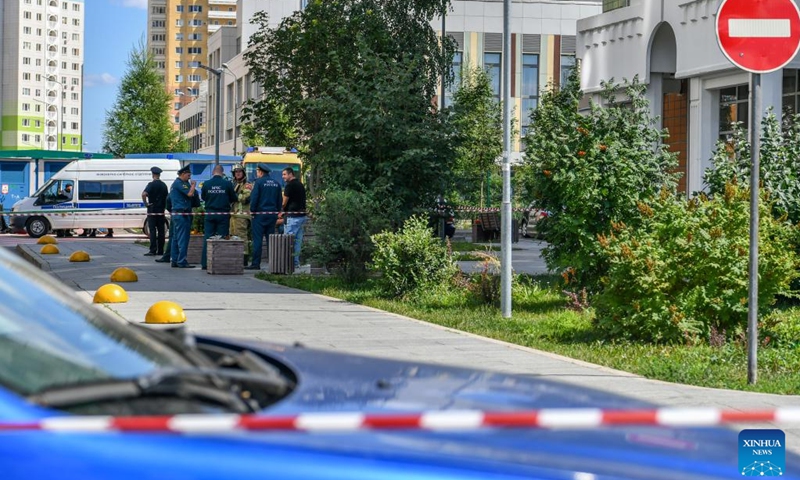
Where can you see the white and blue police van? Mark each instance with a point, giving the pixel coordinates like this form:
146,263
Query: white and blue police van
92,193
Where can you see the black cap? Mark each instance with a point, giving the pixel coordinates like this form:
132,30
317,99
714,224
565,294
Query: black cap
264,168
185,169
156,171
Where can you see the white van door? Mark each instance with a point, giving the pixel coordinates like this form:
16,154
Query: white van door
57,202
97,200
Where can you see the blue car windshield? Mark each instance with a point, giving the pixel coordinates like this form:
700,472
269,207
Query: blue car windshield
51,338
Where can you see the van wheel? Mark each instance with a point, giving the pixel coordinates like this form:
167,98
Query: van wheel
37,226
146,229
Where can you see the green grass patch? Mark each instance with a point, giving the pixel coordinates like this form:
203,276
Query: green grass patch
542,321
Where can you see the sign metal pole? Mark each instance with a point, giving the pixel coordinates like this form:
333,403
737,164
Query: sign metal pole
755,152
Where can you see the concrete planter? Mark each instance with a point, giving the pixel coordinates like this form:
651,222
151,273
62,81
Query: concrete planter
225,257
195,252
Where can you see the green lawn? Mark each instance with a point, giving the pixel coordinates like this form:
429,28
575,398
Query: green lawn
541,321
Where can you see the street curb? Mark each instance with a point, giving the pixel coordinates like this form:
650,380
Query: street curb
33,258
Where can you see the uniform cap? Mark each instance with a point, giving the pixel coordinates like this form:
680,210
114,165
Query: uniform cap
156,171
263,167
185,169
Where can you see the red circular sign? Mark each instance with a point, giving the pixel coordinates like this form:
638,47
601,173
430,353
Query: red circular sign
759,36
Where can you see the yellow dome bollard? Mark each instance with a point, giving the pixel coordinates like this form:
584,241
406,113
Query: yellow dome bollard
79,256
110,293
49,250
124,274
46,240
165,312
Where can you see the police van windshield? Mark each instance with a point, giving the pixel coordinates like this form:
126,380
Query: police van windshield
275,171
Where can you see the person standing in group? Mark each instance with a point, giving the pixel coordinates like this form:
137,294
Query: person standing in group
168,247
265,202
155,197
181,194
240,220
294,210
218,195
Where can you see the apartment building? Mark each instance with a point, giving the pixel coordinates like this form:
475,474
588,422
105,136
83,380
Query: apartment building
41,80
177,34
543,50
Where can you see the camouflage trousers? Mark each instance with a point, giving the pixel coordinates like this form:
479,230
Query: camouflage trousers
240,227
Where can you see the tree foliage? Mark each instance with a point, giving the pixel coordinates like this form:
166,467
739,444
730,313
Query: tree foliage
477,119
140,121
350,83
591,171
779,163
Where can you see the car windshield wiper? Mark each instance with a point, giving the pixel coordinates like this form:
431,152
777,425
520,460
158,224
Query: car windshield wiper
216,385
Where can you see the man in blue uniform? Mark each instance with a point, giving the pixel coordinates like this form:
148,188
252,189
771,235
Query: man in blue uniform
155,197
180,195
265,203
218,195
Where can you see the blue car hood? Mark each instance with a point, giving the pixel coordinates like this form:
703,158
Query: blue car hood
329,381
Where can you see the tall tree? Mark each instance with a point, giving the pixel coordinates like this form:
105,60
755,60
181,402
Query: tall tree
478,122
140,121
350,83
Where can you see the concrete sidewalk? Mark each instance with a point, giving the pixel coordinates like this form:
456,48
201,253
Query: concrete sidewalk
242,306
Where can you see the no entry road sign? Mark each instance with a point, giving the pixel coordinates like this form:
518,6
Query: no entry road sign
759,36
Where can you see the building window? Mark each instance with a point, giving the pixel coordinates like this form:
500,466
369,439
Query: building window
195,36
791,92
179,50
195,50
530,88
733,107
26,122
195,78
491,63
179,8
178,78
567,66
177,106
455,69
178,64
609,5
195,8
179,36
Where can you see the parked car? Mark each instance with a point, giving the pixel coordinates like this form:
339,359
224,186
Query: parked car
82,395
530,217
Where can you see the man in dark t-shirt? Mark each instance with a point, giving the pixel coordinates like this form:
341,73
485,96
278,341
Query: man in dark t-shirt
155,197
294,210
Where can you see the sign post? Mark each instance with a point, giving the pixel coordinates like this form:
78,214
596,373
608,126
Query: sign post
759,36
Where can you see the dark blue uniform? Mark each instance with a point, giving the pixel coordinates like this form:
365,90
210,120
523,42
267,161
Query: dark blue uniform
157,193
181,218
218,195
266,197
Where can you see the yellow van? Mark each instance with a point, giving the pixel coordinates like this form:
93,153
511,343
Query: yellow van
277,158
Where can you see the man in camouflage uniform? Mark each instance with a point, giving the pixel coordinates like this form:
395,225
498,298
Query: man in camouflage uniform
240,220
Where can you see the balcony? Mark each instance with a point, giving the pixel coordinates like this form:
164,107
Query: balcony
609,5
212,15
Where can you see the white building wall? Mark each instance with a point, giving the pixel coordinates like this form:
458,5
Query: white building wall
619,45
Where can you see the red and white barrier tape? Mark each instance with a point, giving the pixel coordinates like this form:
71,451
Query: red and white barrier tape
45,213
463,420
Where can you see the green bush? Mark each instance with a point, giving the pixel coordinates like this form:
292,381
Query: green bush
412,258
683,273
590,171
343,223
779,171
